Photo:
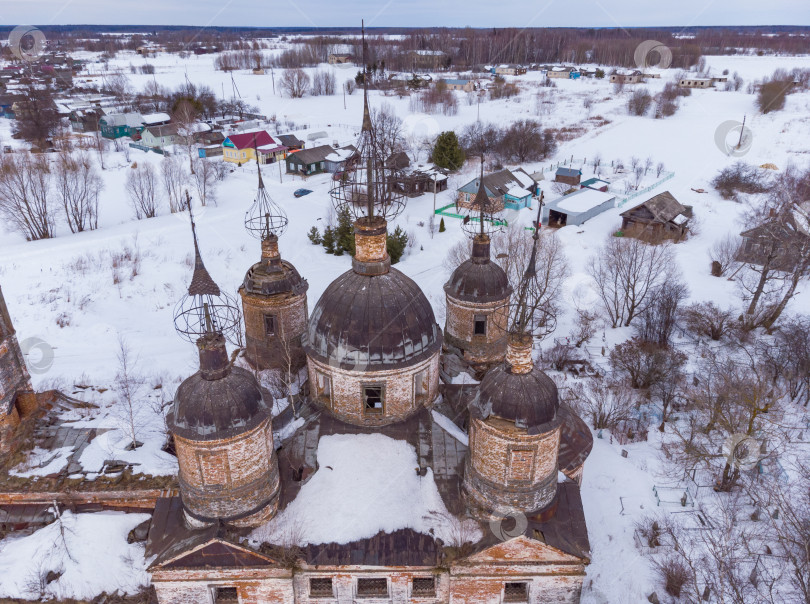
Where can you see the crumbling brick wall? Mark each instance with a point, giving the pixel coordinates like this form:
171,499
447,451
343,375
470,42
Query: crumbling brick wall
284,348
346,398
489,348
229,477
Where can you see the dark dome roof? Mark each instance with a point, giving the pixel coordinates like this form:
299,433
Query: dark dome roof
374,322
529,399
265,279
478,282
213,409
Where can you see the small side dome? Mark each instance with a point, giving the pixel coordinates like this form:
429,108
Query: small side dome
206,409
478,282
266,280
529,399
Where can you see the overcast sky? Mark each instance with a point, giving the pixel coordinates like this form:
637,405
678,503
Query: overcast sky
454,13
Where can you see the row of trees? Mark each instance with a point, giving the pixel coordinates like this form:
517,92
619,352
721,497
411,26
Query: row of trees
37,193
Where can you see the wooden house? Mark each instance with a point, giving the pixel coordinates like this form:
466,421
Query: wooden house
510,189
316,160
560,72
427,59
595,183
510,70
780,243
243,147
417,180
119,125
292,142
661,215
569,176
459,84
159,137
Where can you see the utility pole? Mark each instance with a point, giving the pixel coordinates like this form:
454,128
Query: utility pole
742,129
279,172
273,79
433,216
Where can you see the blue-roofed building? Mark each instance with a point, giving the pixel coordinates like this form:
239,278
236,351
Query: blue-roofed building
510,189
459,84
569,176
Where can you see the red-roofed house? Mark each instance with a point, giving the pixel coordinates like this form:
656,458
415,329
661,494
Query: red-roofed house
242,148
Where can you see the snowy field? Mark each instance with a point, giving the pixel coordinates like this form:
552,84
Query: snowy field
77,294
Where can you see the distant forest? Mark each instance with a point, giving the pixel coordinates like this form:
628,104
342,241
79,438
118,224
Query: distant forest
465,48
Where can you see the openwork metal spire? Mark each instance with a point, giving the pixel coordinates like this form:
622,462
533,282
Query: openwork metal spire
526,313
368,187
265,217
480,220
205,311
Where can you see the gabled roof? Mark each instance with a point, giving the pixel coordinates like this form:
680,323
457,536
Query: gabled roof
290,140
248,140
663,208
497,184
521,549
568,172
312,156
164,130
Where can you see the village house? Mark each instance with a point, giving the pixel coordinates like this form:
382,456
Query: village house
696,82
85,120
458,84
569,176
780,243
575,208
160,137
316,160
510,70
244,147
512,189
414,181
119,125
626,76
660,215
292,142
563,72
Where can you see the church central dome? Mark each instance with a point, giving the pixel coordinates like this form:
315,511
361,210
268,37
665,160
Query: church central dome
373,322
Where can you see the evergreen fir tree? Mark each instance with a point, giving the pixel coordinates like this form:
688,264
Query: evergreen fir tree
328,240
344,233
447,152
314,236
395,244
441,226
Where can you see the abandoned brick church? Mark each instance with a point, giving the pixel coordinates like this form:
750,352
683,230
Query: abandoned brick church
504,457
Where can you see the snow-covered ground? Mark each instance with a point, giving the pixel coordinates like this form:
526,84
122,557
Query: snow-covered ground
76,294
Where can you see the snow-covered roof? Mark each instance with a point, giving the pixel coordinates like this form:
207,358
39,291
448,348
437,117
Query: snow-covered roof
525,180
133,120
583,200
365,484
155,118
517,192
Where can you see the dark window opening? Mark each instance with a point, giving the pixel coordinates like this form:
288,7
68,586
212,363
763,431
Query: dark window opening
516,592
424,587
269,325
372,588
226,595
321,587
373,399
480,325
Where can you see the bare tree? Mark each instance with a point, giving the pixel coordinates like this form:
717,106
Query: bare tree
628,272
142,190
78,187
186,116
707,320
295,83
323,83
723,254
24,195
127,384
204,178
37,117
604,403
174,179
644,363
